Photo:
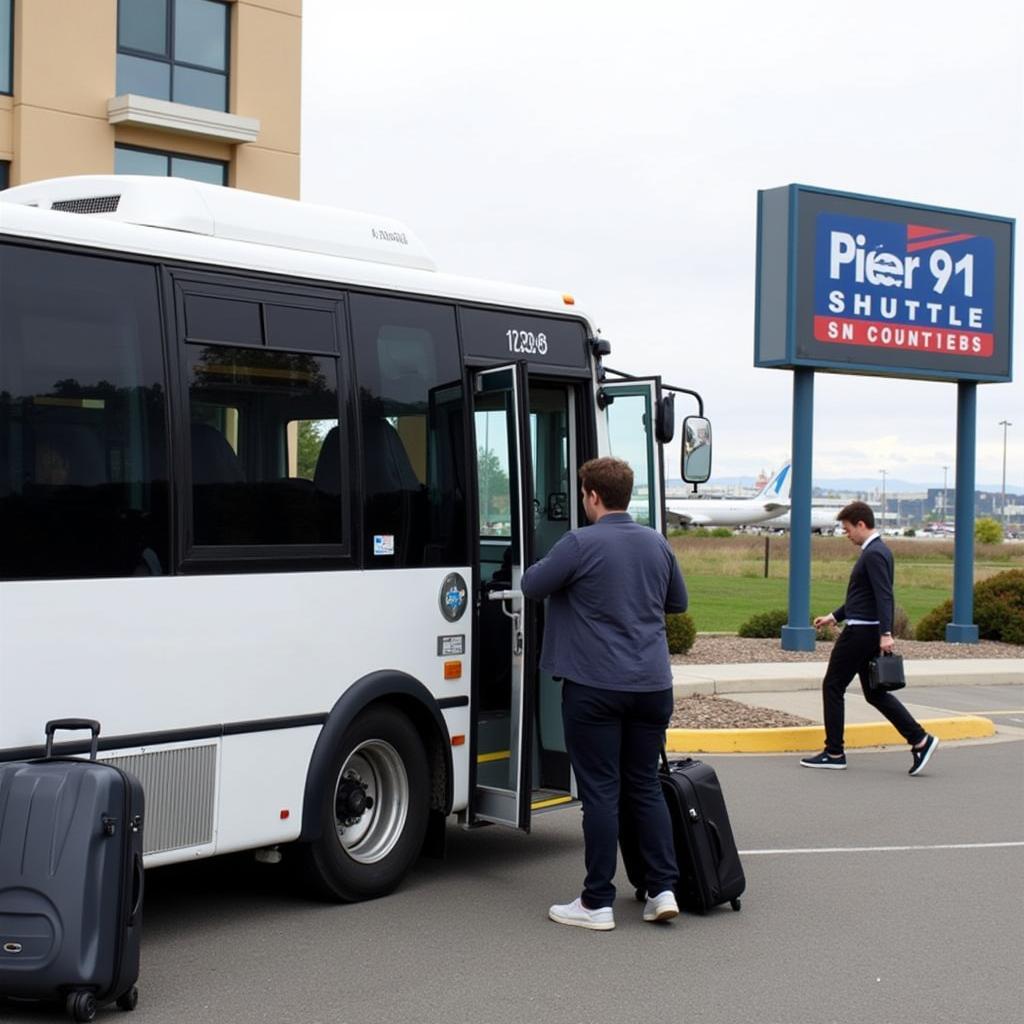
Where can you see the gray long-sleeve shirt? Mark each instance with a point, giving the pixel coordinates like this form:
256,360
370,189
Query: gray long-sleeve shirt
610,586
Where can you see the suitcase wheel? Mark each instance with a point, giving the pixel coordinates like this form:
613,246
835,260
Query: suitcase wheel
129,1000
735,904
81,1006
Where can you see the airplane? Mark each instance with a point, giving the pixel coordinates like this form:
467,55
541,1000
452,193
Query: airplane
823,519
771,501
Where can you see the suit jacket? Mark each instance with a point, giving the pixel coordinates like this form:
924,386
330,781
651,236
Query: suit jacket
869,592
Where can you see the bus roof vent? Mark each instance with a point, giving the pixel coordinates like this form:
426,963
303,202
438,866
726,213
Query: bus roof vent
177,204
94,204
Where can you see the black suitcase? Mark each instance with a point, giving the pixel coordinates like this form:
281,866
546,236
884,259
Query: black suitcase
71,879
710,872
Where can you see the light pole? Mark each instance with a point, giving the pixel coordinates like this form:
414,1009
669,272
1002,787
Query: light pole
945,469
882,471
1004,424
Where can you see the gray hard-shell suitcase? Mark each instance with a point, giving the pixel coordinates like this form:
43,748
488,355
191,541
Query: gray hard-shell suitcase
71,879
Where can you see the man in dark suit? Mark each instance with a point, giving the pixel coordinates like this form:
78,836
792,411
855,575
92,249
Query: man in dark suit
868,612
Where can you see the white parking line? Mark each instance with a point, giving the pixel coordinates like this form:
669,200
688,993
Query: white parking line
881,849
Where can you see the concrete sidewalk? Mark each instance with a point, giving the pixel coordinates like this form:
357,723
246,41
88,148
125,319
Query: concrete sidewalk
795,687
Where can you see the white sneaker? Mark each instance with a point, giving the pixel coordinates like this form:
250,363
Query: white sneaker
661,907
600,920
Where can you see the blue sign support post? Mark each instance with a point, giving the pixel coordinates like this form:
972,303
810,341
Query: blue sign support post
798,635
962,629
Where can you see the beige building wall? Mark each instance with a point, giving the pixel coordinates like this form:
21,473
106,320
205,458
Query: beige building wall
65,71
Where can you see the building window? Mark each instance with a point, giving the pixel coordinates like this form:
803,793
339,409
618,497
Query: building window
173,50
6,44
5,174
129,160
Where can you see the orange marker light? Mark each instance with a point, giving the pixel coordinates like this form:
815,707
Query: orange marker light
568,300
457,741
453,670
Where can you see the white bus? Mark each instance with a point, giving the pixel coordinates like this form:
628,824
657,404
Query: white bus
268,482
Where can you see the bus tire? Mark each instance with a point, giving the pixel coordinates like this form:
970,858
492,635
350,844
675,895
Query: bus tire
373,810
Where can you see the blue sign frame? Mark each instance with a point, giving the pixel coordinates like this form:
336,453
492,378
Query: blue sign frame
859,284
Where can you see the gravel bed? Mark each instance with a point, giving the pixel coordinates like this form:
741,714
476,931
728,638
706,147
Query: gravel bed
729,649
713,712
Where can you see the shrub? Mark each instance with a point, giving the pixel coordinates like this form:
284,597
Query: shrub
999,607
910,532
901,626
768,625
998,611
721,531
765,624
933,625
988,531
681,632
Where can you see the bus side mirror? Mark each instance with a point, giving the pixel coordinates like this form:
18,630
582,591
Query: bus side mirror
696,460
665,424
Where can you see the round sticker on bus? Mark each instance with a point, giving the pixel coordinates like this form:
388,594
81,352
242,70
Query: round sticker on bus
453,597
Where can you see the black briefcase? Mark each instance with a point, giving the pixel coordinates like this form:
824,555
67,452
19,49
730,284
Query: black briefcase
886,673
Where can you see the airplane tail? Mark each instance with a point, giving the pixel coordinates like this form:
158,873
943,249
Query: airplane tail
778,486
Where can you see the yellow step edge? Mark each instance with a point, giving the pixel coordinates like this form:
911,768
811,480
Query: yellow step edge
799,739
553,802
497,755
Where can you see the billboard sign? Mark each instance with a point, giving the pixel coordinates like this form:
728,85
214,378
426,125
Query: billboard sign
855,284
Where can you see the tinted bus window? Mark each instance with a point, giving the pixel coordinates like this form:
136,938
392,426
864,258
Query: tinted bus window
265,447
411,420
83,463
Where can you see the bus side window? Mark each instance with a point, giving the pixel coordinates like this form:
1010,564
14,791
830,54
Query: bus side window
258,490
83,461
410,393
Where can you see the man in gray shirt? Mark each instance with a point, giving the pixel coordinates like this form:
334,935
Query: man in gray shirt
610,586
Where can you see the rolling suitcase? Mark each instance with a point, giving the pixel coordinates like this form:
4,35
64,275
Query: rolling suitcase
710,872
71,879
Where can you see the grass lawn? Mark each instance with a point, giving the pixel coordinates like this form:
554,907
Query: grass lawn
721,604
727,585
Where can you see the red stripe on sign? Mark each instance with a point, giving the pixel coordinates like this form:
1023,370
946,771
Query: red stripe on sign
918,231
947,341
930,243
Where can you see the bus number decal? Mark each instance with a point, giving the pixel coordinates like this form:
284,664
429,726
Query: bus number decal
527,342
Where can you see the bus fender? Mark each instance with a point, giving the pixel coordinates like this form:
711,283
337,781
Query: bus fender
405,693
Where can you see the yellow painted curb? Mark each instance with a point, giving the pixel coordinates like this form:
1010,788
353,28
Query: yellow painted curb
812,737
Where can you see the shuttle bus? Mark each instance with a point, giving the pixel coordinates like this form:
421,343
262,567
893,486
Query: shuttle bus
268,483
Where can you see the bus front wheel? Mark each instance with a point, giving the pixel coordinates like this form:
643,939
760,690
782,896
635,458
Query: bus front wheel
374,809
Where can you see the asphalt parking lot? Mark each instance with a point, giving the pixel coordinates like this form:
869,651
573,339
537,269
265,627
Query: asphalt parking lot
872,897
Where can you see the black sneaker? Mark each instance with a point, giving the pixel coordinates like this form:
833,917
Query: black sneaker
922,755
824,760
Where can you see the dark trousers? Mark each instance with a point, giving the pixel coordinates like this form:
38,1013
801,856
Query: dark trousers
856,646
614,739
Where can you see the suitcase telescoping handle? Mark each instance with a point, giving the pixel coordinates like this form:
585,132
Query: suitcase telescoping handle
74,723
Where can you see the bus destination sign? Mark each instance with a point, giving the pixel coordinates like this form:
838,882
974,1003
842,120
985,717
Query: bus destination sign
508,336
875,286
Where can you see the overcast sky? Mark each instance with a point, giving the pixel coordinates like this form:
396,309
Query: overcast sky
615,151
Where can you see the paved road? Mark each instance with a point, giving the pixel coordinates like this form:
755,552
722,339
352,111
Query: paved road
933,932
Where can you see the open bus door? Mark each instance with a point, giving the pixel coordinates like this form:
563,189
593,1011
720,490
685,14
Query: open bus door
504,647
640,421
